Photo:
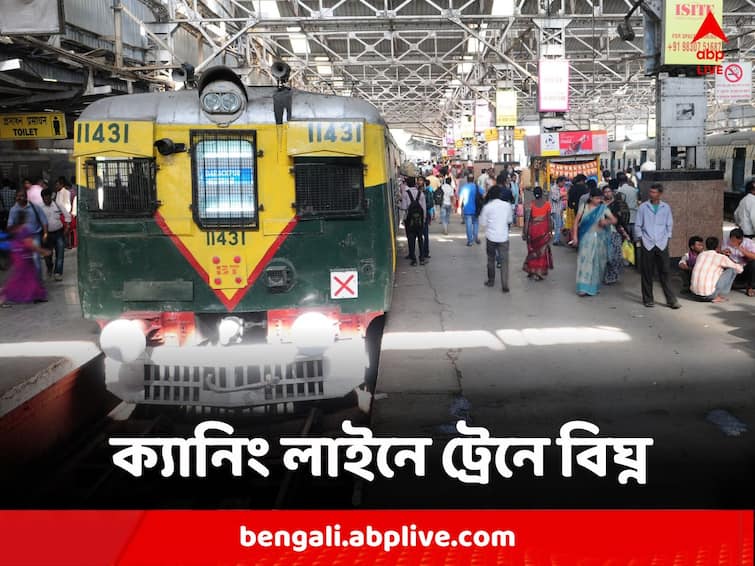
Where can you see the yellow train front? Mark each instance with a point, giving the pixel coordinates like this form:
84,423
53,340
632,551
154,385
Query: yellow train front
236,243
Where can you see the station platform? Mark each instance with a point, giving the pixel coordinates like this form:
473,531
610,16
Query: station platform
41,343
49,381
526,362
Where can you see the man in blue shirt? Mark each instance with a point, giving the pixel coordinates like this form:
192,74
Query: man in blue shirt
468,198
653,229
35,220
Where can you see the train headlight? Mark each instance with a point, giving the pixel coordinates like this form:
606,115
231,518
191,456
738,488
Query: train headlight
230,102
230,330
212,102
313,332
123,340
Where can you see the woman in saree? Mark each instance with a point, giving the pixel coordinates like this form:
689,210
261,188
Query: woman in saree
617,235
23,284
592,236
538,231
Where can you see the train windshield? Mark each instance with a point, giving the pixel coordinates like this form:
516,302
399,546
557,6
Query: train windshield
225,180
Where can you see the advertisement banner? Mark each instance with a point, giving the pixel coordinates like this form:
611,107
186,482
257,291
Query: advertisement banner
692,33
481,116
553,85
734,83
571,143
505,108
549,144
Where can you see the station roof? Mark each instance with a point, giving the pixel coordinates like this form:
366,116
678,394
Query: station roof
418,61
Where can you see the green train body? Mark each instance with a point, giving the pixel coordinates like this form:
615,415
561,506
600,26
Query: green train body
236,242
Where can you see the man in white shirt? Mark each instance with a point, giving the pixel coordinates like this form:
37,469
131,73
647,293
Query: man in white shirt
448,203
744,215
741,250
495,219
57,233
62,196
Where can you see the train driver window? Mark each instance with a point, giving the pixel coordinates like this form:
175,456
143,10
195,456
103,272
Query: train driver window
329,186
121,187
224,179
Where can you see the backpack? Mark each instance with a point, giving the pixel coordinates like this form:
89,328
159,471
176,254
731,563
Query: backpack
415,216
438,196
479,201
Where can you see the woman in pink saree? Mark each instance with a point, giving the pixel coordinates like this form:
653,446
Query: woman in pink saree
23,284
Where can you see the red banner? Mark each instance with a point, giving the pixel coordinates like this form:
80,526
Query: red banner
673,538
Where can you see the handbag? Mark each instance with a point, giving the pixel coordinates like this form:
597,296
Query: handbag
627,251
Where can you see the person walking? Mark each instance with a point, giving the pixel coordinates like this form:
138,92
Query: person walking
34,218
629,192
495,218
58,219
654,227
591,235
538,230
23,284
556,209
448,203
414,203
470,197
427,193
617,235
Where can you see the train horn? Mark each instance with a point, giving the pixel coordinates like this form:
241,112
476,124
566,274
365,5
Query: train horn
280,71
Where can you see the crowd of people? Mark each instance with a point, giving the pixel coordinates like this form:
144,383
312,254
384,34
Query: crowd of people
39,224
607,223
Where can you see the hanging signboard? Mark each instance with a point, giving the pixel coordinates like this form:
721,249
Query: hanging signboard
692,33
553,85
491,134
734,83
449,136
505,108
42,125
467,126
481,116
519,134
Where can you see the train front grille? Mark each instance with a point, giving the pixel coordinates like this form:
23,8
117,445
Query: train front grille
234,385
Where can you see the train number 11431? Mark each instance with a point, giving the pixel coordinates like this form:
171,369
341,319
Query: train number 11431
319,132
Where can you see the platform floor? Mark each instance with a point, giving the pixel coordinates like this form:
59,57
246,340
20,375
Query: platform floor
526,362
41,343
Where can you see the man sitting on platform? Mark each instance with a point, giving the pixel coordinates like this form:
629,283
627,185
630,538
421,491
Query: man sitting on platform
713,273
741,250
687,263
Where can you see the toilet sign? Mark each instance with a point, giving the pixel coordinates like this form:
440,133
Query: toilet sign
344,284
734,82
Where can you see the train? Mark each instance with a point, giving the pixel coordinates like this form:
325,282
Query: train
732,153
237,244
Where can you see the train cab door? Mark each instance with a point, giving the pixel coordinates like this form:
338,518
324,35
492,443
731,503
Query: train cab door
738,170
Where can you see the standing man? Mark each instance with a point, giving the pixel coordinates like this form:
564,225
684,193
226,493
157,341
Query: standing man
630,197
556,210
449,201
35,219
57,233
744,215
468,197
495,219
414,203
7,200
427,194
654,226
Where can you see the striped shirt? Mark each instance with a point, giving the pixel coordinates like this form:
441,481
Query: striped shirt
708,269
